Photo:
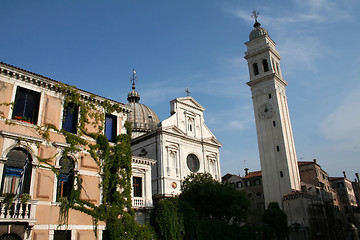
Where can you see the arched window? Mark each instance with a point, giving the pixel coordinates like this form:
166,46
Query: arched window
265,65
66,177
17,172
256,69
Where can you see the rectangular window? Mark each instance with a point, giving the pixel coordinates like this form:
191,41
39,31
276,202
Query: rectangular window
239,184
137,186
26,106
248,183
110,127
62,235
12,179
70,118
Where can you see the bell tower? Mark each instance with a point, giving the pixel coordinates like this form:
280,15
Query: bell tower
280,172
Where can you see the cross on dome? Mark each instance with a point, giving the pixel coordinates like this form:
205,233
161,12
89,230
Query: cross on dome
187,91
133,79
255,16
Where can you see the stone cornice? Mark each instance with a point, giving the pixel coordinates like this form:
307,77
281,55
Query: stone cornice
142,160
18,136
168,133
50,84
272,76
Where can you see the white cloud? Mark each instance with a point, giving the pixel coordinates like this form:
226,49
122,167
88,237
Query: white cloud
344,122
306,11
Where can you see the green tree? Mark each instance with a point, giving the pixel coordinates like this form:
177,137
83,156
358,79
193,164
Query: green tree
214,200
276,219
167,221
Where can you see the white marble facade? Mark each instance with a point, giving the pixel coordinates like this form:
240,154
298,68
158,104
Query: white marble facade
181,144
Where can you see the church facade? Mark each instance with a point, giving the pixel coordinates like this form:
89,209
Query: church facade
181,144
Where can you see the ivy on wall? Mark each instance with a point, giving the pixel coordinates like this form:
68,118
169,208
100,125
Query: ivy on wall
113,161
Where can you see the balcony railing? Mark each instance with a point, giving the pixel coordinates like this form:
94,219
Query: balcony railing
139,202
18,212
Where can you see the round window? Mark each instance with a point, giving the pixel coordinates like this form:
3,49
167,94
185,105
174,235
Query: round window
193,163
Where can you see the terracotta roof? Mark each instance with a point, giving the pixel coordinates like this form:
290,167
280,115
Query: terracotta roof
293,193
253,174
335,178
226,177
305,162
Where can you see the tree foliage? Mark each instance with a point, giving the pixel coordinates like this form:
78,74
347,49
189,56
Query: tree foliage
214,200
167,221
276,219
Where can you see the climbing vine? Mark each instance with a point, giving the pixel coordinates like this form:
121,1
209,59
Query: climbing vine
113,161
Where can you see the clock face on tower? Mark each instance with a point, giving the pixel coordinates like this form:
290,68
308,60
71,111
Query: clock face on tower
266,110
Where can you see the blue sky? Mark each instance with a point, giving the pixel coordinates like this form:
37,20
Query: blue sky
174,45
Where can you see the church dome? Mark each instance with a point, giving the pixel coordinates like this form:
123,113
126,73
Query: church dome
143,119
257,31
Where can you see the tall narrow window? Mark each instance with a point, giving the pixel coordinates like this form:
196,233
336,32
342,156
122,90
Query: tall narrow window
265,65
66,177
278,148
26,106
17,172
281,174
273,64
70,118
274,123
137,186
110,127
256,69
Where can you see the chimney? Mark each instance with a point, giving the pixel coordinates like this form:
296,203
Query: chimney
357,176
246,171
314,160
344,174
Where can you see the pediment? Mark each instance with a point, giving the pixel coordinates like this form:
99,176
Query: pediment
190,102
212,140
174,129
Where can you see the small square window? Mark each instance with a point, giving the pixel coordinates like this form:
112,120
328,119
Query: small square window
26,106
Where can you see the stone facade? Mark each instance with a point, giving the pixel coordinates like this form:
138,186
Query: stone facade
37,103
